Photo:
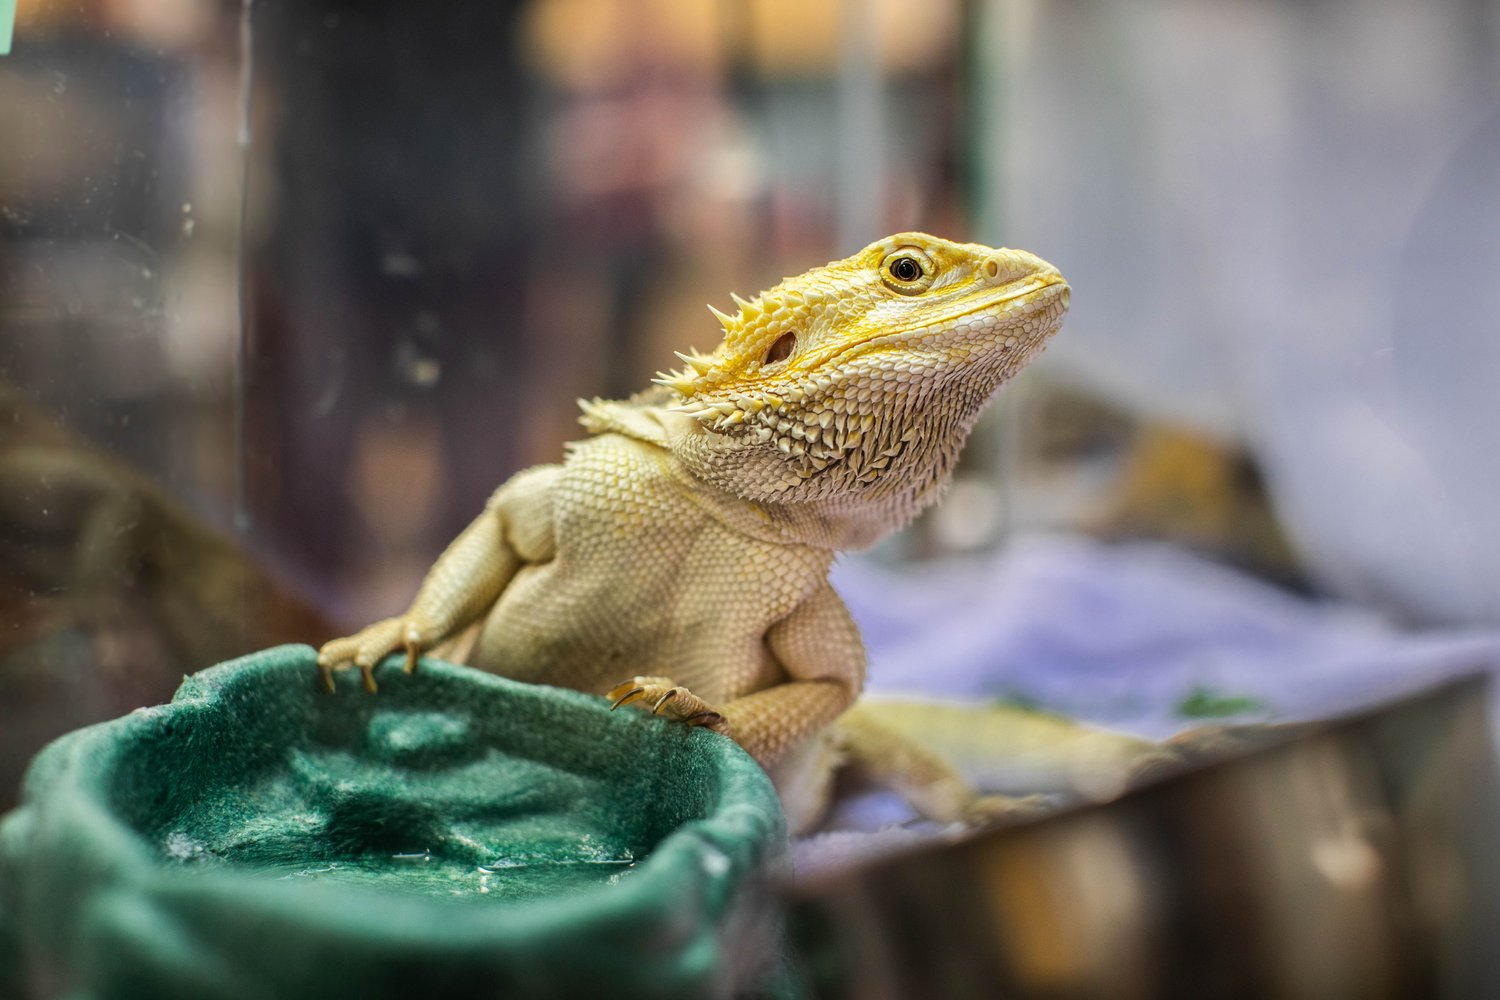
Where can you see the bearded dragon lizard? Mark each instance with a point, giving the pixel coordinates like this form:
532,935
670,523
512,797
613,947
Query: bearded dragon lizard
679,555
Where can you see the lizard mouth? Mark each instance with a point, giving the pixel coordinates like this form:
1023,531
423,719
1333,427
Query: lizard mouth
1035,293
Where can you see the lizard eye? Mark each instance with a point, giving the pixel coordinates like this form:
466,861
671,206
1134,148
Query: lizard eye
781,349
907,271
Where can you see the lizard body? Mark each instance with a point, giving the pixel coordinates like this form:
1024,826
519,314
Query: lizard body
679,554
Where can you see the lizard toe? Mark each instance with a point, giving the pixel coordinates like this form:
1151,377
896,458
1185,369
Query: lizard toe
987,809
360,651
637,688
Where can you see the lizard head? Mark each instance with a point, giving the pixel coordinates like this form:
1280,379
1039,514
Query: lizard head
860,380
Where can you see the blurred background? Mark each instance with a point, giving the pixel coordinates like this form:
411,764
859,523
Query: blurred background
287,289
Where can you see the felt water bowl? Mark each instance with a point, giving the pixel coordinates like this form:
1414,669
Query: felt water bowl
455,834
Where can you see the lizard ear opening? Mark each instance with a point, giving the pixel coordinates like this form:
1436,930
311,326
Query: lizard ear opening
781,349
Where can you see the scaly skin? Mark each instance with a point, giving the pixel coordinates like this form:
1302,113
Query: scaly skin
679,555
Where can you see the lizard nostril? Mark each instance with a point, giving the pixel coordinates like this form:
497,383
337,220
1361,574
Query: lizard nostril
991,268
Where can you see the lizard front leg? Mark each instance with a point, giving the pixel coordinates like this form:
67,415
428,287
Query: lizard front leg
463,584
818,648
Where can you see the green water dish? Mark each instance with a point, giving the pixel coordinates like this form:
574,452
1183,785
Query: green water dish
454,834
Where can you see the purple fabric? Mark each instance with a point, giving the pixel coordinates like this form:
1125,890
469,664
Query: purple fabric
1124,634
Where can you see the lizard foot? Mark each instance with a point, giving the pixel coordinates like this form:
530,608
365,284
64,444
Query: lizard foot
1205,745
367,647
987,809
670,700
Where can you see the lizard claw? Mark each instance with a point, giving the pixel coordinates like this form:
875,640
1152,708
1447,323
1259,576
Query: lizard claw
367,674
413,645
669,700
707,718
630,693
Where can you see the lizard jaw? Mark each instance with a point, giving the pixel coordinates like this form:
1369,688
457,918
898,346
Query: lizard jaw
1010,309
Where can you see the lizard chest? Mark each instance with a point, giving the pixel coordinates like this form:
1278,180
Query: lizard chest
631,536
643,573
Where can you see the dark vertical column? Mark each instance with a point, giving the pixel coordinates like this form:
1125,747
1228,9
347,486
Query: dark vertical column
387,245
